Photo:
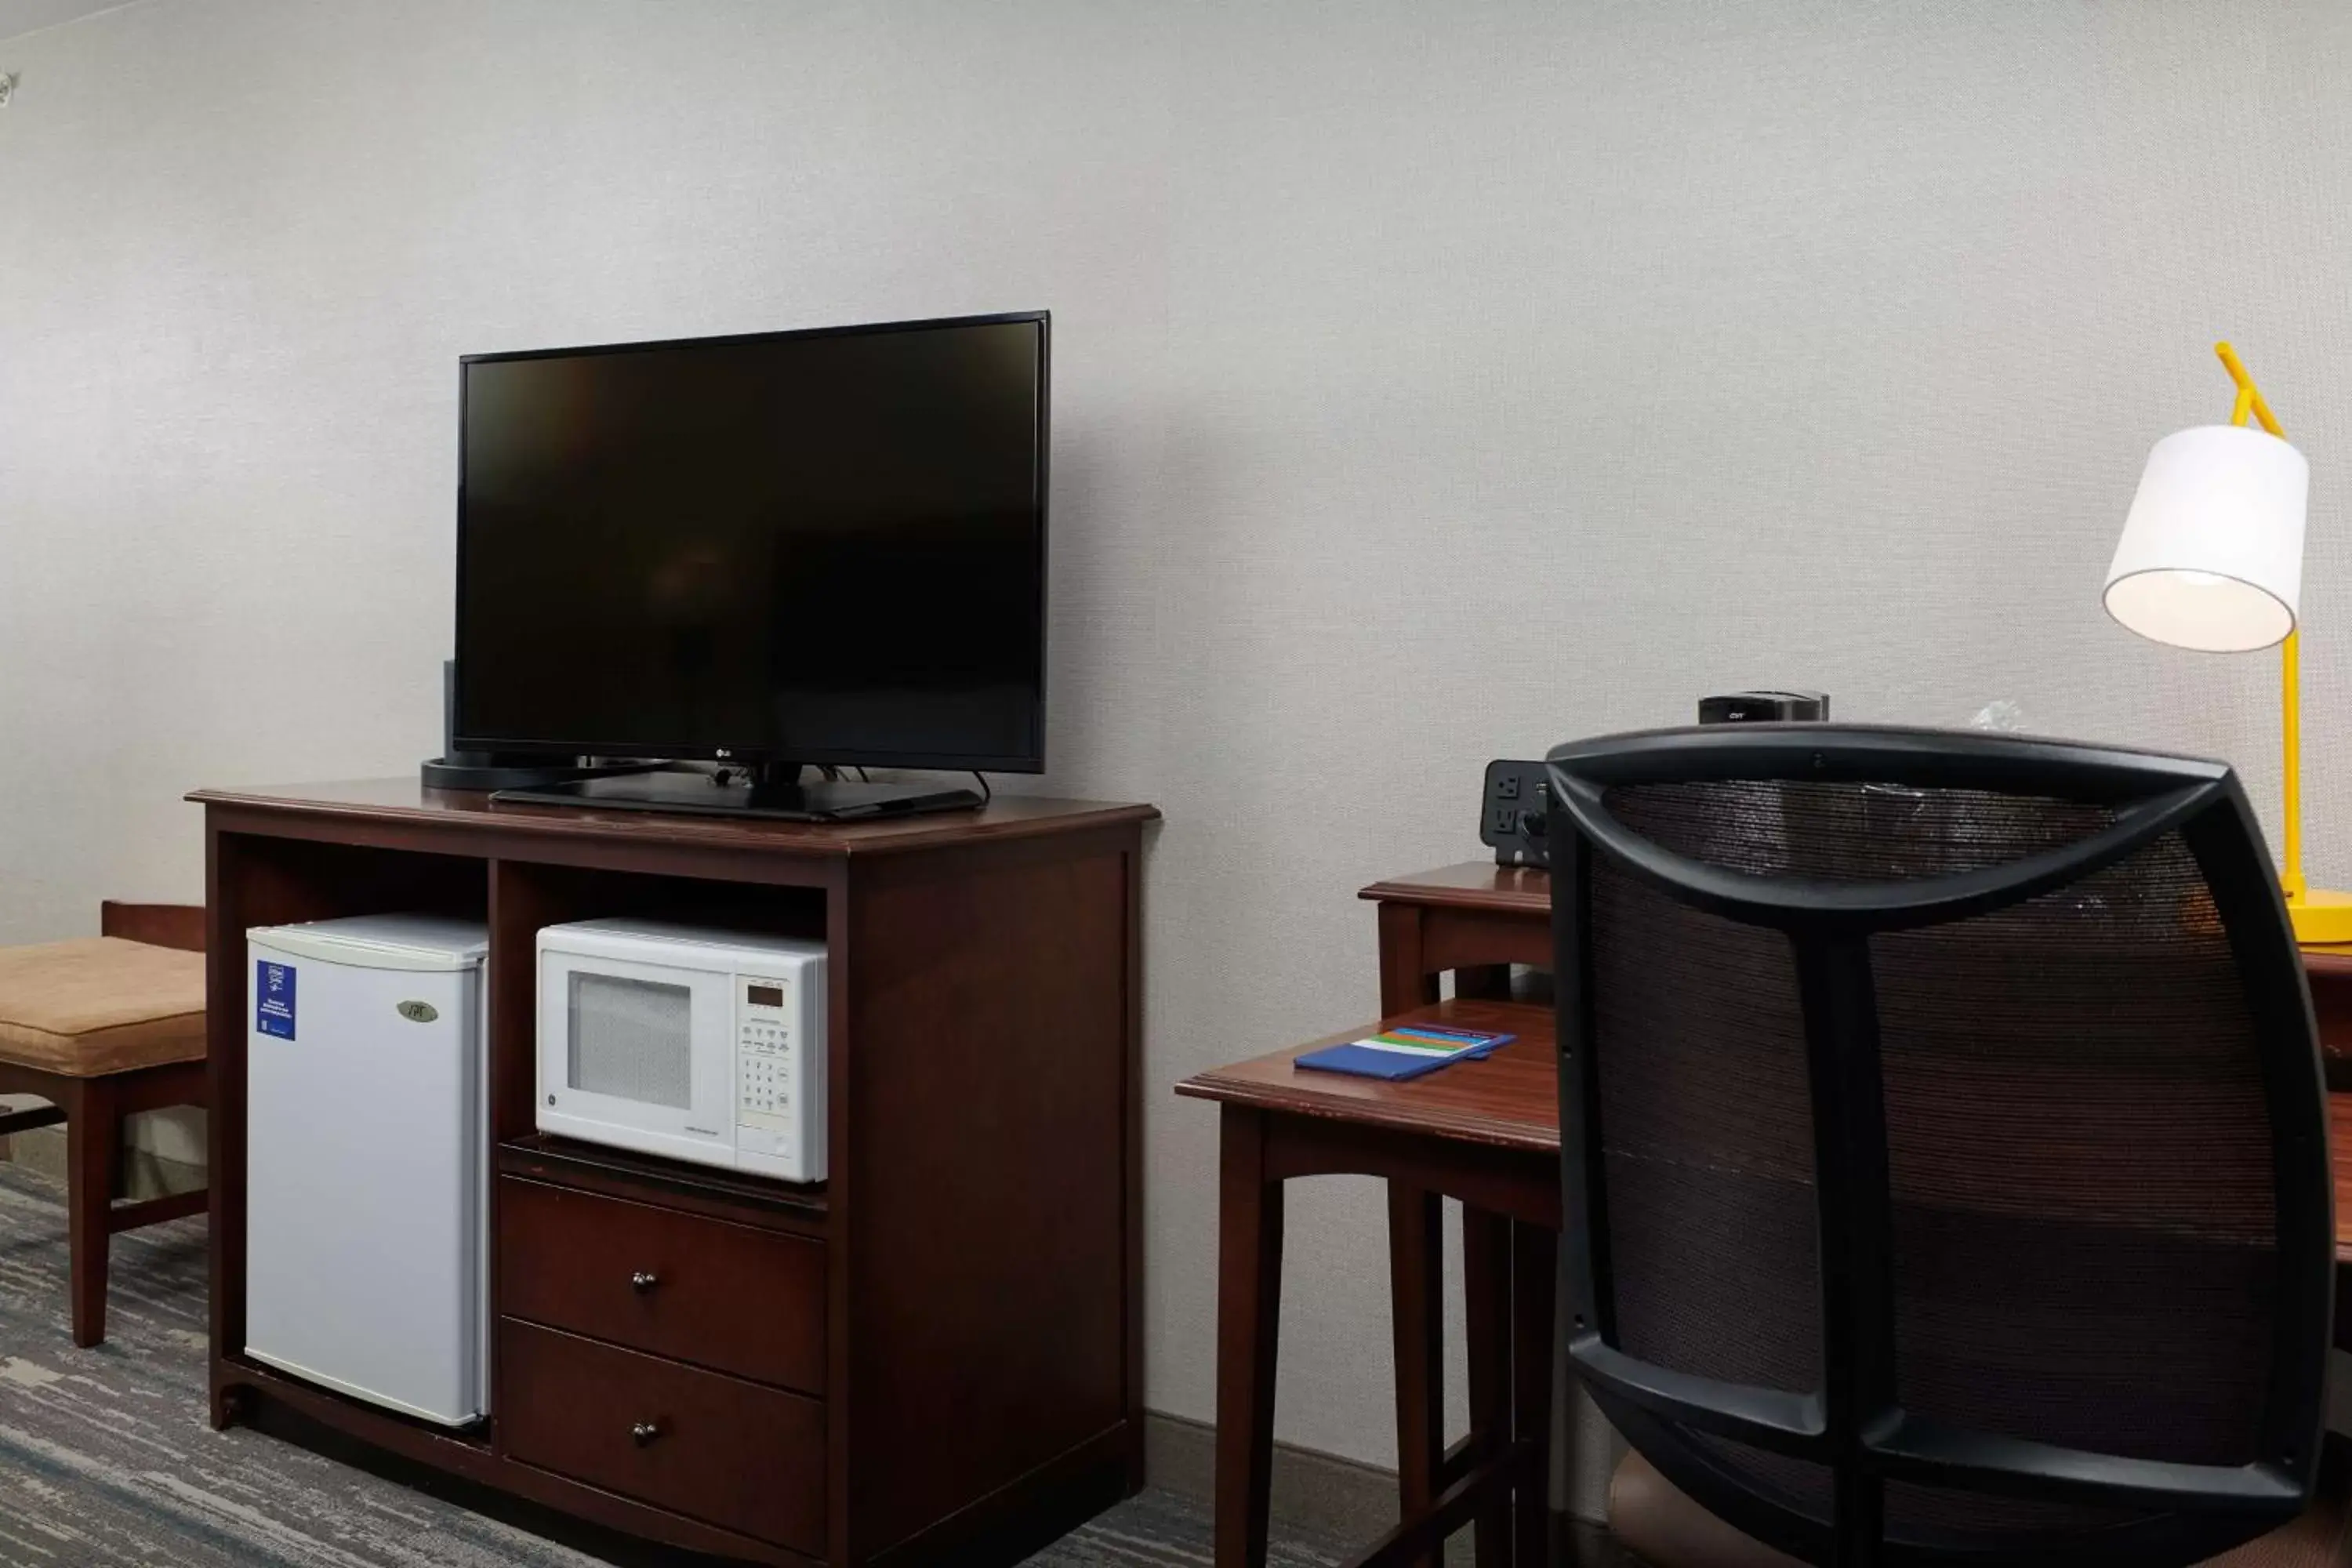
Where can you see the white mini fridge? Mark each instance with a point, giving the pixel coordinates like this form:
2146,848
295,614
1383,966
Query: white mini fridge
367,1160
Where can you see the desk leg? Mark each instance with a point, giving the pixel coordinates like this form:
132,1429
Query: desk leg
1486,1303
1249,1314
1415,1259
1417,1322
1406,980
1535,1262
2331,1004
1491,981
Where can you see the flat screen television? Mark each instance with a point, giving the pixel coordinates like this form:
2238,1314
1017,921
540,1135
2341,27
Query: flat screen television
818,547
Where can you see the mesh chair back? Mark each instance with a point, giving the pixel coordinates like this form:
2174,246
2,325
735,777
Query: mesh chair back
1947,1174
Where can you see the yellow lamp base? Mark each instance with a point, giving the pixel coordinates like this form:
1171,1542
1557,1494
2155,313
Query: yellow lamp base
2320,915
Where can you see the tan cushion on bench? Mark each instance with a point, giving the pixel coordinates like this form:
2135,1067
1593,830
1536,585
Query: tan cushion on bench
99,1005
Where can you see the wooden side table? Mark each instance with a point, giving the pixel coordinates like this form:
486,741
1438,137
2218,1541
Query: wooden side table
1486,1132
1474,920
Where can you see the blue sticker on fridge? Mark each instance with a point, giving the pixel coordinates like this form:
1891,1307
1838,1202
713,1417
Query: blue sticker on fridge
273,998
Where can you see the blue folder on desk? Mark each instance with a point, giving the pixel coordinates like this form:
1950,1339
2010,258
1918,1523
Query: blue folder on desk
1406,1051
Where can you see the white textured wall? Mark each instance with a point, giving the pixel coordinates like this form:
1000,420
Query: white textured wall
1433,380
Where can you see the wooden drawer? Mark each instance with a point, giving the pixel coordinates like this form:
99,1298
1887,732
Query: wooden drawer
731,1296
714,1447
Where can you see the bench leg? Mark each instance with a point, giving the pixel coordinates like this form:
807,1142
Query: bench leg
93,1155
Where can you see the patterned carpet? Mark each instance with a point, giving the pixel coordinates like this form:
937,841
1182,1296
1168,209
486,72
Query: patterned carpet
105,1458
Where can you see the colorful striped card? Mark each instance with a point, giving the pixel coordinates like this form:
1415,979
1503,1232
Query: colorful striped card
1404,1051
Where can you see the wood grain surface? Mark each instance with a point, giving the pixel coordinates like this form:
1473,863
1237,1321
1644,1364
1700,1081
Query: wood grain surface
1510,1098
727,1297
407,803
711,1447
1471,884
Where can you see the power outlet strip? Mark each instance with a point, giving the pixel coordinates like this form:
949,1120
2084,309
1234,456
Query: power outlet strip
1514,813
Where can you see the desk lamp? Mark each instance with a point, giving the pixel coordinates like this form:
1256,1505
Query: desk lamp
2211,558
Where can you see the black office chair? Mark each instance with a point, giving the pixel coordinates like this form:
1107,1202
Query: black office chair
1948,1174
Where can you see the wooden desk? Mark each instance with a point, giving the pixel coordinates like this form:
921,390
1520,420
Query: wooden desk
934,1357
1486,1132
1471,918
1475,919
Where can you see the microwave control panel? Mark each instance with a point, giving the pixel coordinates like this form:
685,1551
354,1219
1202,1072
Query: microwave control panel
766,1053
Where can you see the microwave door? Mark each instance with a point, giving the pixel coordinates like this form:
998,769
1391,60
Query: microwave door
641,1056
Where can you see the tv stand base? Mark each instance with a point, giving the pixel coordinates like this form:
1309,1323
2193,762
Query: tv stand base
774,791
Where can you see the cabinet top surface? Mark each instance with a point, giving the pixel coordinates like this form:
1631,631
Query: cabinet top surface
406,801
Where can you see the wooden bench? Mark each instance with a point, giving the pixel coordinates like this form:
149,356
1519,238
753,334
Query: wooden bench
101,1028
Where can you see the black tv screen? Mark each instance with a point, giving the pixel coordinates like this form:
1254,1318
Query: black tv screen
820,547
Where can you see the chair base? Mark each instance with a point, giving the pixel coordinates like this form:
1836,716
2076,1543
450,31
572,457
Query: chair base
1652,1518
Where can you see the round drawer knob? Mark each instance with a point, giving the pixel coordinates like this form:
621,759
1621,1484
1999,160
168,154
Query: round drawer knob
644,1432
643,1281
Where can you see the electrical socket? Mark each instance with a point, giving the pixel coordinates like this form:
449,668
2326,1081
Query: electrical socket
1515,813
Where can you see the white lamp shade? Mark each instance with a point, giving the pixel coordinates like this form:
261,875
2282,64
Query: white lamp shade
2212,557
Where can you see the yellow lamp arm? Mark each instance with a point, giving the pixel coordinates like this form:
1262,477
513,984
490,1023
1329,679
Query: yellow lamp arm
2291,877
2249,396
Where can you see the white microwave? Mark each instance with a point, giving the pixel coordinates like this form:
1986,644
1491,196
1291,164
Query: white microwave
700,1045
